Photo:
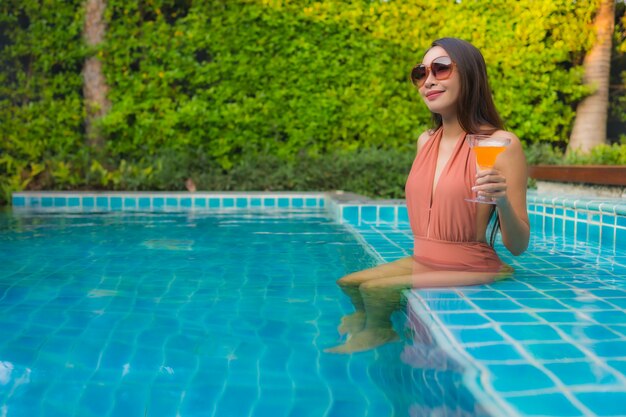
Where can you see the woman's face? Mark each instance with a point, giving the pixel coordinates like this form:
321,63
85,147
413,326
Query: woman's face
440,96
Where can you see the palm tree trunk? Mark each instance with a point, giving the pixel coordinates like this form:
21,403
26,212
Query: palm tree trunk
592,112
95,88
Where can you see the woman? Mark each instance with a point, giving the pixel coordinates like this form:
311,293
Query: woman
450,233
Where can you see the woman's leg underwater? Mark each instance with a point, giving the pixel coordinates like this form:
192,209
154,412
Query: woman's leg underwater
381,297
350,284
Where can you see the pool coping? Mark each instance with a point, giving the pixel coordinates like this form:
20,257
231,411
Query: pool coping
357,213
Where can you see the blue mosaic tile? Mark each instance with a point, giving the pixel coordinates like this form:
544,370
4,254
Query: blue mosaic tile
297,202
129,202
350,214
171,202
462,319
214,202
516,378
553,351
200,202
545,405
186,202
241,202
115,203
102,202
582,373
493,352
531,332
403,215
89,202
496,305
369,214
610,349
512,317
19,201
228,202
476,335
283,202
604,403
387,214
256,202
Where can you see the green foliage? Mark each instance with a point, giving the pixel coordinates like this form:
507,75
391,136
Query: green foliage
545,153
368,171
265,94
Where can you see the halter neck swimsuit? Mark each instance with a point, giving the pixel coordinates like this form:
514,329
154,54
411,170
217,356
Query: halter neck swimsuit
443,223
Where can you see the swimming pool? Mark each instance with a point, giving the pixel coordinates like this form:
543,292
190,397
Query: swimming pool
126,313
222,312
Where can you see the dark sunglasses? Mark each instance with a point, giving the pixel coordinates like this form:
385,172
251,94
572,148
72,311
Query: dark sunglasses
441,68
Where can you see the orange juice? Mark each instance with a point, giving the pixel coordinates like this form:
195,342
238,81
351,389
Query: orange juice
486,155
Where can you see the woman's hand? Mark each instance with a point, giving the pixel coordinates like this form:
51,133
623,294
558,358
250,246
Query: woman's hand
491,183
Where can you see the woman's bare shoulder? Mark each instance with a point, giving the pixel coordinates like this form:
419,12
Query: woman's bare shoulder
423,138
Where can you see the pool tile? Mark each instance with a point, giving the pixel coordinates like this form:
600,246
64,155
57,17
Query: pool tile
531,332
545,405
604,403
350,215
582,373
493,352
102,202
116,203
609,349
129,202
553,351
588,332
387,214
369,214
496,305
143,203
476,335
515,378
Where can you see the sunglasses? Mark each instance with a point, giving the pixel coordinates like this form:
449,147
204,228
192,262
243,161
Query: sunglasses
441,68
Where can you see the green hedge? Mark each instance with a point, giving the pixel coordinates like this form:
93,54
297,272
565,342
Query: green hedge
224,85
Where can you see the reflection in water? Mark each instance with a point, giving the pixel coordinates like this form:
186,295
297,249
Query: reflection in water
419,378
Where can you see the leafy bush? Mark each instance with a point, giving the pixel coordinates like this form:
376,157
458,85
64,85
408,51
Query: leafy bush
219,89
546,153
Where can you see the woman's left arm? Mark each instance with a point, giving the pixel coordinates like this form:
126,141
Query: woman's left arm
507,183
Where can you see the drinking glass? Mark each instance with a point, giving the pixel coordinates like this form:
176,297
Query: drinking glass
486,148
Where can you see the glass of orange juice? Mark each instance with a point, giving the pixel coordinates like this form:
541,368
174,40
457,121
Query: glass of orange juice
486,148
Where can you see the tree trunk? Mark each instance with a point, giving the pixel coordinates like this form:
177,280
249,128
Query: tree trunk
592,112
95,88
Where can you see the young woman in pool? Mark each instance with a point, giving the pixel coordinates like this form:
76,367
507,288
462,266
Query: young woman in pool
450,233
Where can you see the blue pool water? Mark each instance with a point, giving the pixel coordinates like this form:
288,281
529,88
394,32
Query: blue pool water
221,313
212,304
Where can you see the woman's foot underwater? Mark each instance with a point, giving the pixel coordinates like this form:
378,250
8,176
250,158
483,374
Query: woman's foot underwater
366,339
352,323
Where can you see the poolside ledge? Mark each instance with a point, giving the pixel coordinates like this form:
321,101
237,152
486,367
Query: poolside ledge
584,180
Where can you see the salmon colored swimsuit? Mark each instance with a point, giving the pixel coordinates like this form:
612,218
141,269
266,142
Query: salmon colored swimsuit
443,223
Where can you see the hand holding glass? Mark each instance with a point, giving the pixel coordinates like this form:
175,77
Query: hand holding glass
486,148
